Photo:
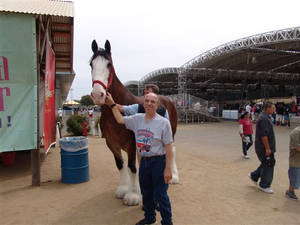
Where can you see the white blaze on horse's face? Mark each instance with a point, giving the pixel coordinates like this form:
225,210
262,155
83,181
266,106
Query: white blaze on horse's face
101,68
100,72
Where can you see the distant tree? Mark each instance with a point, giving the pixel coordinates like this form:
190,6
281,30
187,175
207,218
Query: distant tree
86,100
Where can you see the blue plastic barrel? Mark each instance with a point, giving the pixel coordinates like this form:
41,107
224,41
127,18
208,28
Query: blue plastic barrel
74,160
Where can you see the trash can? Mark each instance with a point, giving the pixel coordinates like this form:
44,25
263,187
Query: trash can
74,160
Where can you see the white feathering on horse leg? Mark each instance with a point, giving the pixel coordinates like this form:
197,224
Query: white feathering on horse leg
124,182
175,176
132,197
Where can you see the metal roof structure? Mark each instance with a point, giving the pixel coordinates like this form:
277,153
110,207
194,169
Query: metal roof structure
160,72
260,66
38,7
284,41
133,86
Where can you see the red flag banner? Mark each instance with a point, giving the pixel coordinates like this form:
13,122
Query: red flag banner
49,104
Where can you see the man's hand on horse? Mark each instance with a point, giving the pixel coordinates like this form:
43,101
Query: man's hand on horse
109,100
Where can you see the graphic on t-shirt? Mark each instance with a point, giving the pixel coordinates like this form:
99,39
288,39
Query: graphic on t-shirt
144,140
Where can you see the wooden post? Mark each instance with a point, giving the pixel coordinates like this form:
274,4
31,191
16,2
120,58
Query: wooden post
35,167
35,153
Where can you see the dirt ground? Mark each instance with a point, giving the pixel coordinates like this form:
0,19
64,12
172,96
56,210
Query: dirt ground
214,187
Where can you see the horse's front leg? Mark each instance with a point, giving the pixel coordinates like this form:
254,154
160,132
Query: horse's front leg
123,188
132,197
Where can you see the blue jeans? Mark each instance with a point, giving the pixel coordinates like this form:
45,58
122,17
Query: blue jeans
151,177
294,177
247,145
264,172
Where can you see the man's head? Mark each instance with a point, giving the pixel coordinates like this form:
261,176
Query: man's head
269,108
151,88
151,103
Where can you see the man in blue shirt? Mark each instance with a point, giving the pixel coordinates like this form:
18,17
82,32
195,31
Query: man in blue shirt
139,108
265,149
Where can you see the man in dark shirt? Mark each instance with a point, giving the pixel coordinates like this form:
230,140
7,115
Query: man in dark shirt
265,149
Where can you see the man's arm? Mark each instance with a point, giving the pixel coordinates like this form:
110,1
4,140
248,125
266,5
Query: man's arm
115,109
120,108
168,169
130,110
118,116
265,141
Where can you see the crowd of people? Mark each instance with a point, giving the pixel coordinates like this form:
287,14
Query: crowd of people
281,116
265,146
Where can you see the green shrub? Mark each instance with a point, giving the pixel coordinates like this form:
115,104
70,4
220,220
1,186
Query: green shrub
74,124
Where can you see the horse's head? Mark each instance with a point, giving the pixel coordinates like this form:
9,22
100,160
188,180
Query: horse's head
102,72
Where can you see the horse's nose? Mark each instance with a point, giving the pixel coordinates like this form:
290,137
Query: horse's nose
101,94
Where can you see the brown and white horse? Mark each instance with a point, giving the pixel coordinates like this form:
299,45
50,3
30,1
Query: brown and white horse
117,136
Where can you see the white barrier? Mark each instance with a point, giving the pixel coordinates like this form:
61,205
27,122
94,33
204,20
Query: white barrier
230,114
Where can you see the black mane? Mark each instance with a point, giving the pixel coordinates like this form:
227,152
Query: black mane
100,52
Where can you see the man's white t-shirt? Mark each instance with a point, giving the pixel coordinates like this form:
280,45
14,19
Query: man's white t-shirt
151,136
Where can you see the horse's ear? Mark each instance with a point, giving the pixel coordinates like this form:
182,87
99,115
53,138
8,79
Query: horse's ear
107,47
94,46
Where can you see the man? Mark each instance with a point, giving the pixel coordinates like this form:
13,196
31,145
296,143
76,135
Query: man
90,113
129,110
248,108
153,136
286,115
265,149
279,114
60,113
294,164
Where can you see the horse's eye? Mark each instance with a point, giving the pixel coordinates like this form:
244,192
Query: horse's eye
108,65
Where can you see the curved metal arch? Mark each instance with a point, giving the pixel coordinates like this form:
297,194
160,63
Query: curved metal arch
131,82
289,34
168,70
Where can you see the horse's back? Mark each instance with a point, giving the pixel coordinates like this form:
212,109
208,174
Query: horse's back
166,102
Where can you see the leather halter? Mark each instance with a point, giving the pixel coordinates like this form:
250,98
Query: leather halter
110,78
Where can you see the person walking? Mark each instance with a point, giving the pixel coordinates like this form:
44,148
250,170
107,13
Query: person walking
286,115
265,149
248,108
154,140
246,131
294,164
279,114
253,113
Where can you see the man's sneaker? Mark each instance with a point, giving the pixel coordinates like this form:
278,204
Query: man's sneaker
146,222
255,182
291,195
246,157
266,190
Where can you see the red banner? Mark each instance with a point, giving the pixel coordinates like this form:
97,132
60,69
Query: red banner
49,104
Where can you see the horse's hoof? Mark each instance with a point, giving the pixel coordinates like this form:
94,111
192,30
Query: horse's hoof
121,191
174,180
131,199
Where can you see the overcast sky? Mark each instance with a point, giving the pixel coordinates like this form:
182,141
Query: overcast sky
149,35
